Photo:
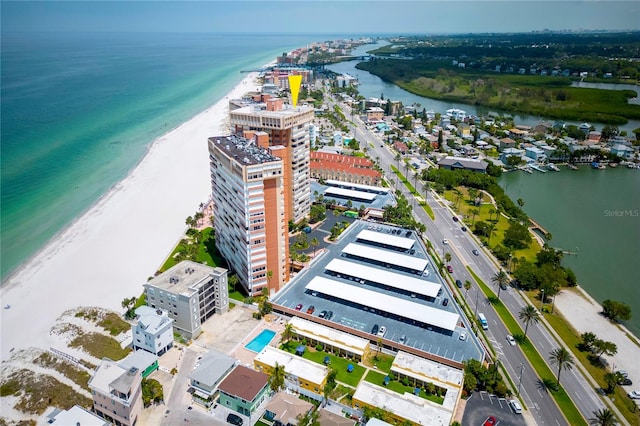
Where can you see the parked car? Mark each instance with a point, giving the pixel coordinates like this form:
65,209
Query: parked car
463,335
234,419
403,339
475,252
450,269
515,406
491,421
382,331
311,309
623,373
445,302
329,315
374,330
298,306
459,283
323,314
625,382
634,394
511,340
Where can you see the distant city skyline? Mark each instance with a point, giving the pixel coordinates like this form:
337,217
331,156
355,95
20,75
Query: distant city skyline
321,17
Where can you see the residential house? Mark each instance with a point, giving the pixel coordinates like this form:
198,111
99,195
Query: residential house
623,151
374,114
345,168
116,393
284,409
456,163
243,390
211,369
153,330
143,361
507,143
401,147
535,153
329,418
75,415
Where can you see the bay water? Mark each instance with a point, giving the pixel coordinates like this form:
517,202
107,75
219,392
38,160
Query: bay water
80,110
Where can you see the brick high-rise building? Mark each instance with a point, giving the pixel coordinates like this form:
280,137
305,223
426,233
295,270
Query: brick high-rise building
248,191
288,127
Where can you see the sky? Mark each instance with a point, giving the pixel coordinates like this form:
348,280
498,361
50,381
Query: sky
322,17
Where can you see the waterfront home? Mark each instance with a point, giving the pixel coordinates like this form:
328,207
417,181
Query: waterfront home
543,128
143,361
153,331
457,163
116,392
623,151
595,137
535,153
243,390
209,372
510,152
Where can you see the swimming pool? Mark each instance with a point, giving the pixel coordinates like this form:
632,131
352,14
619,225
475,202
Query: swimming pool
258,343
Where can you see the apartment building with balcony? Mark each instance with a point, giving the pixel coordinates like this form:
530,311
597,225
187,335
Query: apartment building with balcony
288,127
248,192
116,393
190,293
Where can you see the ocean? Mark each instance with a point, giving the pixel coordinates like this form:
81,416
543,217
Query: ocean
79,111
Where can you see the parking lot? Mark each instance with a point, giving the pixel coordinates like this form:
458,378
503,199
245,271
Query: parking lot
429,339
481,405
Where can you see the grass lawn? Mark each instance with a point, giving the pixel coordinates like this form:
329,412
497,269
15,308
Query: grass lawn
394,385
337,363
206,252
382,363
542,369
99,346
464,207
115,325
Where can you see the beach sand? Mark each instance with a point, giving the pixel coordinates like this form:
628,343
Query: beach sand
108,253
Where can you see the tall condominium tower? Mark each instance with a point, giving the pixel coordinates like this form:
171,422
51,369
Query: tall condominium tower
247,183
289,127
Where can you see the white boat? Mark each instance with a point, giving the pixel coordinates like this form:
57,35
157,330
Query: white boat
553,167
538,168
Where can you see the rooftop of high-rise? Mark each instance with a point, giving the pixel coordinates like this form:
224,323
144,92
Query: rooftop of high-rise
244,150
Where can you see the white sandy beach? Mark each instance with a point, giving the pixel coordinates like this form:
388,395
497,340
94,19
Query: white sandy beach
110,251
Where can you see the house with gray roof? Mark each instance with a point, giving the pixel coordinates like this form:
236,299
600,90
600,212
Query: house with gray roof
204,380
153,331
461,163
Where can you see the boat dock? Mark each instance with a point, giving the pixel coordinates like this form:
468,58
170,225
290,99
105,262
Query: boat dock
538,168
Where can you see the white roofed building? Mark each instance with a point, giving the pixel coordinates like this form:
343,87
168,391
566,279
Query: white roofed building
153,331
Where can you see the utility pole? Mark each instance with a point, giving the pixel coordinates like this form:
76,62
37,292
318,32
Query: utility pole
520,378
475,314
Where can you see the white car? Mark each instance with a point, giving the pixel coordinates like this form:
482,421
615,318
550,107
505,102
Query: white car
463,336
382,331
445,241
511,340
634,394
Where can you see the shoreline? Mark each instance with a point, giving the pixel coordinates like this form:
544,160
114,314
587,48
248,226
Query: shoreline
109,251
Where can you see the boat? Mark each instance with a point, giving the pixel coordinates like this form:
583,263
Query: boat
572,166
538,168
602,167
614,165
595,165
553,167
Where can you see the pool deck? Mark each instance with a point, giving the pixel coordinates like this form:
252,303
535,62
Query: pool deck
271,322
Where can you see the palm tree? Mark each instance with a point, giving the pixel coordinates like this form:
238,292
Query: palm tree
398,157
287,332
425,187
314,244
447,257
458,195
563,359
520,202
528,315
475,212
603,417
491,212
277,378
269,276
501,278
467,286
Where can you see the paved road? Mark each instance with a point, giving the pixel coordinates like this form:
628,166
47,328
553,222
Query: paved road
460,245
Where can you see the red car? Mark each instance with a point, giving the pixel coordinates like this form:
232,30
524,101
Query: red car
298,306
450,269
491,421
311,309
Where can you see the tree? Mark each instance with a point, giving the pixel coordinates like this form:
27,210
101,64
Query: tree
151,392
128,304
588,340
287,332
474,212
616,311
501,279
563,359
467,286
612,380
447,257
517,236
277,378
603,417
233,281
602,347
314,244
528,315
520,202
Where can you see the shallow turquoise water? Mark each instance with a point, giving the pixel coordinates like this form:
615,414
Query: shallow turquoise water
258,343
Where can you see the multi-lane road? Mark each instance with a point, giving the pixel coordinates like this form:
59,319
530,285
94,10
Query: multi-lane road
461,244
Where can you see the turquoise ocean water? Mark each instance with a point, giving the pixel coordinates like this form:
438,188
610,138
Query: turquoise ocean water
79,111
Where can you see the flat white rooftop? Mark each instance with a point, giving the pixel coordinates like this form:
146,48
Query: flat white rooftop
346,341
385,303
386,256
407,406
422,368
376,189
386,239
293,364
388,278
349,193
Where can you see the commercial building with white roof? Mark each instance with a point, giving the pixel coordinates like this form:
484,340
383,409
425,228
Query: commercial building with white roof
349,193
333,340
411,263
298,371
